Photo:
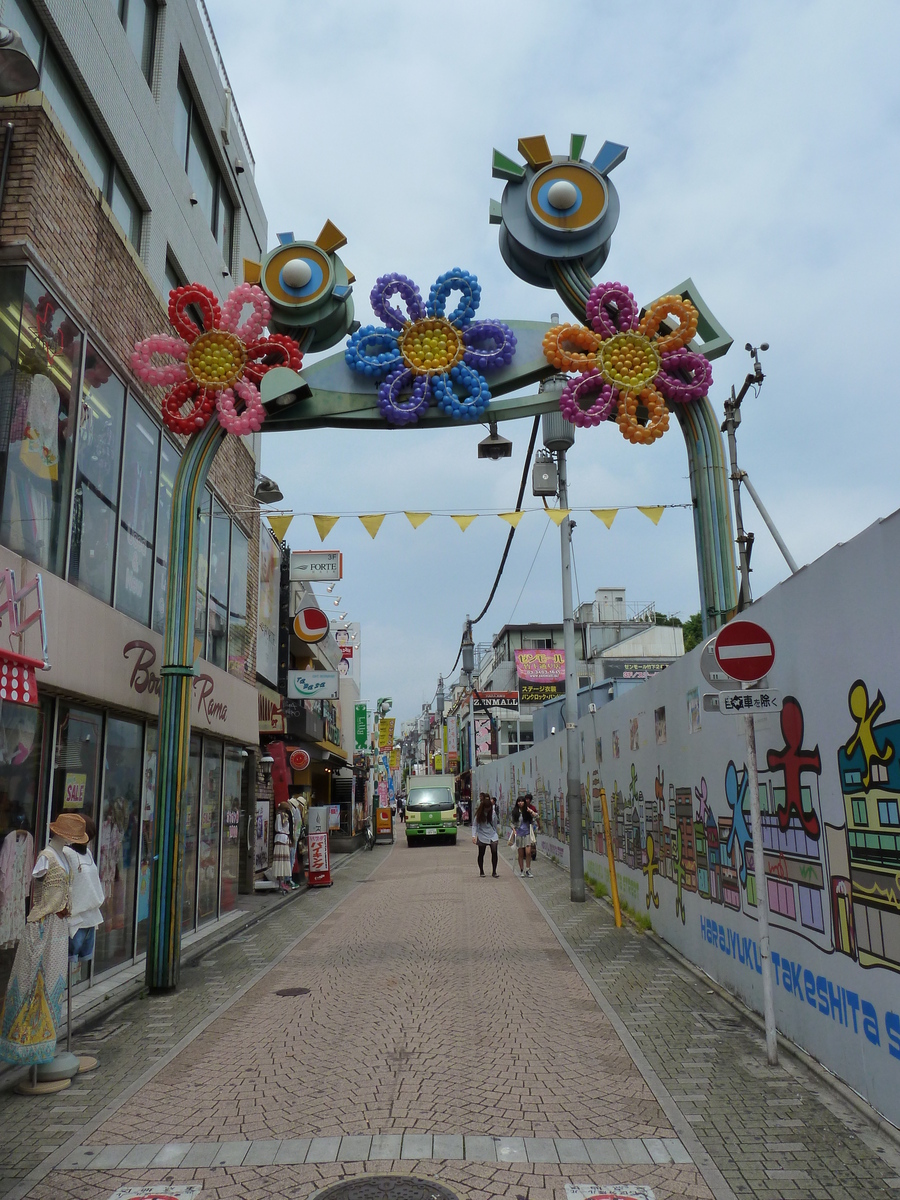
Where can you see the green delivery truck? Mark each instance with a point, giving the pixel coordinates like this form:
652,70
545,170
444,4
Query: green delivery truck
430,808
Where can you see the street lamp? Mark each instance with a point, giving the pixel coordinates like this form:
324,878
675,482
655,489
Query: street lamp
267,491
17,72
559,436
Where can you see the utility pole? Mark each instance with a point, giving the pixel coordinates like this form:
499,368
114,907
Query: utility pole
729,428
559,436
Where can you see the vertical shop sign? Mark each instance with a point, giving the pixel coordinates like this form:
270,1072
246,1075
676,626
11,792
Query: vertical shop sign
361,723
386,733
268,606
318,850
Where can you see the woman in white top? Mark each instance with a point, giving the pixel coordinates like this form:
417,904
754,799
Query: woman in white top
484,833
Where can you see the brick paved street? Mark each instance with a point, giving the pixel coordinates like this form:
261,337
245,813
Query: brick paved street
447,1031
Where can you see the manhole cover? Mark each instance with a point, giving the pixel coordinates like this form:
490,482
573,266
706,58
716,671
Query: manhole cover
292,992
386,1187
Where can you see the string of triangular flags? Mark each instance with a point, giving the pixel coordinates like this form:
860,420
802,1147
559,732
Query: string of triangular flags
372,522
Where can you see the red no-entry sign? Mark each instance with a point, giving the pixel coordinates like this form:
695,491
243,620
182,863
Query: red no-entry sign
745,651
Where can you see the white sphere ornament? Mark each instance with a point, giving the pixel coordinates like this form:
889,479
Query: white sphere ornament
562,194
296,273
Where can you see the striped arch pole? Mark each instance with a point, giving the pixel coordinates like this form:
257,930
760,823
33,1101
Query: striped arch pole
176,690
713,532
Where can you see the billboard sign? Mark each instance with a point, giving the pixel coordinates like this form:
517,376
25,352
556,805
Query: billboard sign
537,693
385,733
314,685
310,565
541,666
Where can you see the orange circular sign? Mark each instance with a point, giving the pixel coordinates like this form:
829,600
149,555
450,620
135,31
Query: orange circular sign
299,760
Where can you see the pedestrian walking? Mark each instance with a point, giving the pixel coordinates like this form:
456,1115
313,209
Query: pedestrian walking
522,819
535,825
484,833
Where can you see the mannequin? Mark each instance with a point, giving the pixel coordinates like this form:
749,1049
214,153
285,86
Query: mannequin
282,861
33,1008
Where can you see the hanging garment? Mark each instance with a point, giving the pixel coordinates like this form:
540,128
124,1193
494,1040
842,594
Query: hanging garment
16,863
282,859
32,1011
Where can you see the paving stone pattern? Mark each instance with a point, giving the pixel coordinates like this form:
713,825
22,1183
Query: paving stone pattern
445,1028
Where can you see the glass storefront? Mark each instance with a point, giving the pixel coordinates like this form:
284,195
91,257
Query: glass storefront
103,766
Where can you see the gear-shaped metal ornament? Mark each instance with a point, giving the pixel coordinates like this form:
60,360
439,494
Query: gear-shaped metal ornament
558,211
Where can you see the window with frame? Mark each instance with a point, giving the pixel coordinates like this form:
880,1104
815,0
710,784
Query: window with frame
138,19
137,510
860,810
58,87
196,153
889,812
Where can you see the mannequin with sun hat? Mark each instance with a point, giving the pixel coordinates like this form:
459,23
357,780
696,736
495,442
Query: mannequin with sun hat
32,1011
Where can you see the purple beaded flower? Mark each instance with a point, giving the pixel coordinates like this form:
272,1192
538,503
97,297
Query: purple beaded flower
427,355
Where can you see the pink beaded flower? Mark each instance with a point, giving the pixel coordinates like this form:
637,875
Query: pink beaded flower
218,364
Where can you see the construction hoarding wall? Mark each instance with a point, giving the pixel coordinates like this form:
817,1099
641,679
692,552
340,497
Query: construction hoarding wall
675,778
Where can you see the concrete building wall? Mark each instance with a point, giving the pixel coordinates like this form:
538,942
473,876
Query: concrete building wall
675,780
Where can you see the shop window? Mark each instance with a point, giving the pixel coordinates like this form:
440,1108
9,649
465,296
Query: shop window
148,834
210,826
139,20
219,547
76,776
811,907
134,555
120,831
202,535
238,627
190,800
231,825
195,152
169,458
95,509
40,363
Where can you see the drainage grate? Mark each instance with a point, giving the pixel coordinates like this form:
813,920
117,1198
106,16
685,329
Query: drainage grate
292,992
386,1187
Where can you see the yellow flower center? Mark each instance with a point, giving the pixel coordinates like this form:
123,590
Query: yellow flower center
216,359
431,346
628,361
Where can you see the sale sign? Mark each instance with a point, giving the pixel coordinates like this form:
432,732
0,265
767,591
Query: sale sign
318,872
74,790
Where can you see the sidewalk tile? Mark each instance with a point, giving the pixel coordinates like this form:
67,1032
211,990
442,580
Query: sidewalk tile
480,1149
230,1154
541,1150
110,1156
571,1150
171,1154
262,1152
200,1154
602,1151
511,1149
354,1149
678,1152
292,1151
142,1155
416,1145
385,1146
448,1145
632,1150
657,1150
323,1149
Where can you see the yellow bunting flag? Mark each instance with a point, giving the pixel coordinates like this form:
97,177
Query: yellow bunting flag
606,515
325,525
558,515
372,523
417,519
464,520
512,518
654,512
280,525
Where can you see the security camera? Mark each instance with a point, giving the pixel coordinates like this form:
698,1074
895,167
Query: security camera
592,708
238,167
552,730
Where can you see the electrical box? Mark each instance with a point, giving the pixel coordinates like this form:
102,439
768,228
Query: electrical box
544,480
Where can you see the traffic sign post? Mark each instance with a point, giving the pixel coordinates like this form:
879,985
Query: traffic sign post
746,652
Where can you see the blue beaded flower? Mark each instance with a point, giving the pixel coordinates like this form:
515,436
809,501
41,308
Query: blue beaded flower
427,355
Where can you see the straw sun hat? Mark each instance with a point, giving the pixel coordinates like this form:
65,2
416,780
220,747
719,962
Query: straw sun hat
71,828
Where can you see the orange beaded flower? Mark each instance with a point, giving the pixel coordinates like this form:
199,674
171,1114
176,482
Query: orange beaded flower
626,364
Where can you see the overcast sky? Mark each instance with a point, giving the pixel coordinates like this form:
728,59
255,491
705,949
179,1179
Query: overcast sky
763,162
